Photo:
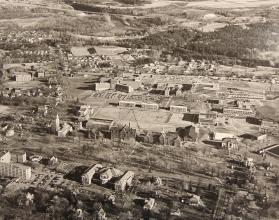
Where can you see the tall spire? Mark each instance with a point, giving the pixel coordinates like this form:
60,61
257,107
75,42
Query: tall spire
57,123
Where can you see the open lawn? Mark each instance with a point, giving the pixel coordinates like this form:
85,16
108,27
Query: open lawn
4,110
141,119
109,51
270,110
23,85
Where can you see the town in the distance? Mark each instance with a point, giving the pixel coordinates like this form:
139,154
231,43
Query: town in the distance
139,109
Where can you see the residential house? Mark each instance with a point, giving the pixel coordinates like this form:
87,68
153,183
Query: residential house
189,133
67,128
170,138
230,143
123,133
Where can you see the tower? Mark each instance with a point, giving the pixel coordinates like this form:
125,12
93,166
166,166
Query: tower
167,92
57,123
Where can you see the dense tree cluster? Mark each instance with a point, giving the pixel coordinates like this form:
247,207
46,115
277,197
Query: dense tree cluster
230,45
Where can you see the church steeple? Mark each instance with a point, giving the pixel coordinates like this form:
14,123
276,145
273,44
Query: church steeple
57,123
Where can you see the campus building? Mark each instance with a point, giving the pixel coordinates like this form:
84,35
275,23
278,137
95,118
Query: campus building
86,178
129,104
150,106
101,86
22,77
15,170
123,88
125,180
178,109
238,113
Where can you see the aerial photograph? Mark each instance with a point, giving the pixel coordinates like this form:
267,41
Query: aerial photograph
139,109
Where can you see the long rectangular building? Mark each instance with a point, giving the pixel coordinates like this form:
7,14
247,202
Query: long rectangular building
123,88
178,109
125,180
238,113
127,104
150,106
15,170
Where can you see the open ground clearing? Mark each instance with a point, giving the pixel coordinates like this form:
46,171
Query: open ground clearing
4,110
23,85
270,110
138,118
25,22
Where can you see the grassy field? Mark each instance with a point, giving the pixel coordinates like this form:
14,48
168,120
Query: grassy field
4,110
270,110
141,119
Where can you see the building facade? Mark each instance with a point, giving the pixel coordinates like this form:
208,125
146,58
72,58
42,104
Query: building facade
178,109
150,106
86,178
238,113
123,88
125,180
128,104
15,170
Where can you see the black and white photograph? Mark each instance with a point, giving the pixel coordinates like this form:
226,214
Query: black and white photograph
139,109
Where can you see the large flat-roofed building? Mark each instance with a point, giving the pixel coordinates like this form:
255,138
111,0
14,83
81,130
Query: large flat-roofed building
18,157
101,86
99,123
127,104
178,109
15,170
220,135
150,106
243,95
22,77
5,157
86,178
125,180
238,113
123,88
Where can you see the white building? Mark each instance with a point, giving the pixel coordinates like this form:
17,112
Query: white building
218,136
15,170
178,109
86,178
125,180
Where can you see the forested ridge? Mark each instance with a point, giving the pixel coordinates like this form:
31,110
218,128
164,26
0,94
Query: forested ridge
228,45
